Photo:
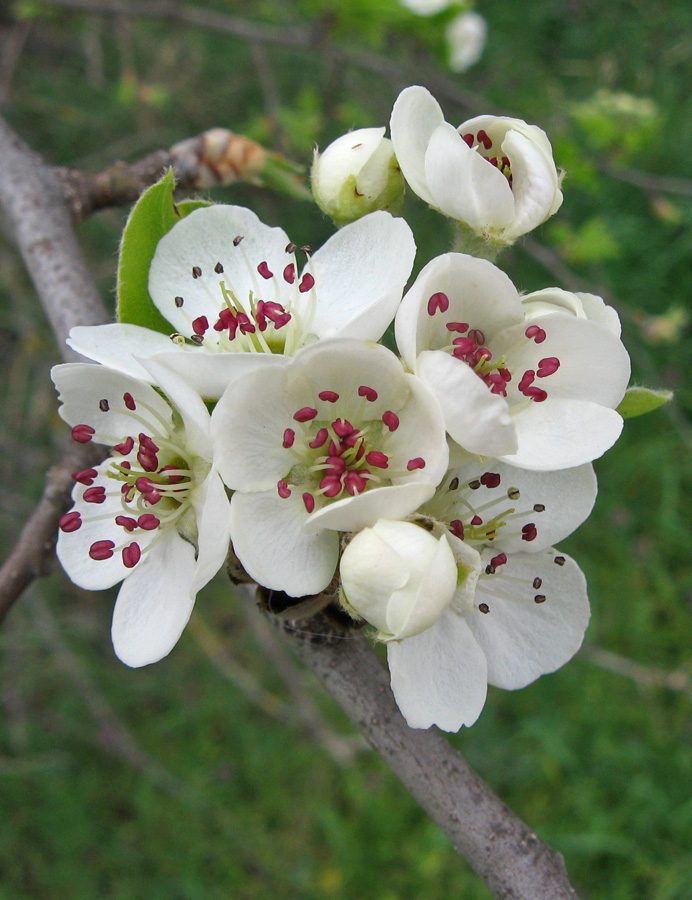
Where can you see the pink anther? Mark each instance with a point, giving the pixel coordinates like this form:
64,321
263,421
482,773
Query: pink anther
416,463
319,440
131,555
129,401
289,438
377,459
306,414
101,550
83,433
536,333
71,521
264,270
307,282
95,495
391,420
86,476
438,301
367,392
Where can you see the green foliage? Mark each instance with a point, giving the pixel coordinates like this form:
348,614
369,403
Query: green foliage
640,400
154,214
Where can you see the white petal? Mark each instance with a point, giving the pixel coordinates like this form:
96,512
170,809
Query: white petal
211,373
360,274
363,510
439,676
465,186
479,294
189,404
597,310
474,417
98,524
567,496
523,639
594,364
421,433
269,540
120,346
204,239
155,602
415,115
561,434
534,183
82,387
213,509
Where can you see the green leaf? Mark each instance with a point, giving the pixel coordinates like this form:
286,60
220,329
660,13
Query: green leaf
152,216
640,400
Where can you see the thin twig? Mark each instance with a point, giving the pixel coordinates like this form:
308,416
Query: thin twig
675,681
660,184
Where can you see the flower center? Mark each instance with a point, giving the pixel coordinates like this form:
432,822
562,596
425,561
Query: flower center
258,322
333,458
468,347
150,474
482,143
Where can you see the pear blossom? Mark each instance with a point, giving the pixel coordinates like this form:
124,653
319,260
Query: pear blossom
494,174
518,609
155,514
357,174
531,383
235,295
466,35
426,7
334,441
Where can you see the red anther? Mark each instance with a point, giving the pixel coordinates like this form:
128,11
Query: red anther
468,138
307,282
86,476
83,433
377,459
537,394
127,490
145,485
172,479
148,461
126,522
147,444
328,396
200,324
352,439
283,489
477,335
529,532
490,479
147,522
484,139
505,374
274,311
417,463
264,270
129,401
309,502
438,301
367,392
290,273
126,446
331,485
94,495
360,452
459,327
356,482
483,355
280,321
548,366
336,465
101,550
260,318
334,448
319,440
196,272
125,465
71,521
391,420
464,345
457,529
527,380
496,383
131,555
505,162
225,319
498,560
245,324
342,428
476,520
289,438
306,414
493,161
535,333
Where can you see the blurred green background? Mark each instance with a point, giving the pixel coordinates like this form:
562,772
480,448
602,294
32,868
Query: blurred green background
223,771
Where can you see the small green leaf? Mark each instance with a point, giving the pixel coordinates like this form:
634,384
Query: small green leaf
153,216
640,400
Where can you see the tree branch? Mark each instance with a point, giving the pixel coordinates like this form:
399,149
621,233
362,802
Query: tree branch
506,854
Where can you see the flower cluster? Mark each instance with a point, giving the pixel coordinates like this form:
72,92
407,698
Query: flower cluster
426,487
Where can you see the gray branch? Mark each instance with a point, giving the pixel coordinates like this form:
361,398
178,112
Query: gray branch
501,848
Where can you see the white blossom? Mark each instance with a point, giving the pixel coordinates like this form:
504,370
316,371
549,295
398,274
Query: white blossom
154,515
357,174
235,296
532,383
466,35
494,174
333,442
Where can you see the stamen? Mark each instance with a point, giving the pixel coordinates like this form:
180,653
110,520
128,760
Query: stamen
71,521
453,484
196,272
490,479
306,414
499,560
200,325
484,139
438,301
457,529
328,396
319,440
283,489
265,271
391,420
536,333
148,522
289,273
309,502
469,139
131,555
307,282
86,476
417,463
476,520
178,302
289,438
126,446
83,433
101,550
537,582
377,459
95,495
291,247
559,560
129,401
126,522
529,532
103,405
237,240
218,268
539,598
367,392
459,327
484,608
548,366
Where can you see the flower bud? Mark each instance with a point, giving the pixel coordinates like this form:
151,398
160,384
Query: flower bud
399,577
466,36
357,174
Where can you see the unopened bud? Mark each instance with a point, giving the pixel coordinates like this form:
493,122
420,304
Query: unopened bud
357,174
